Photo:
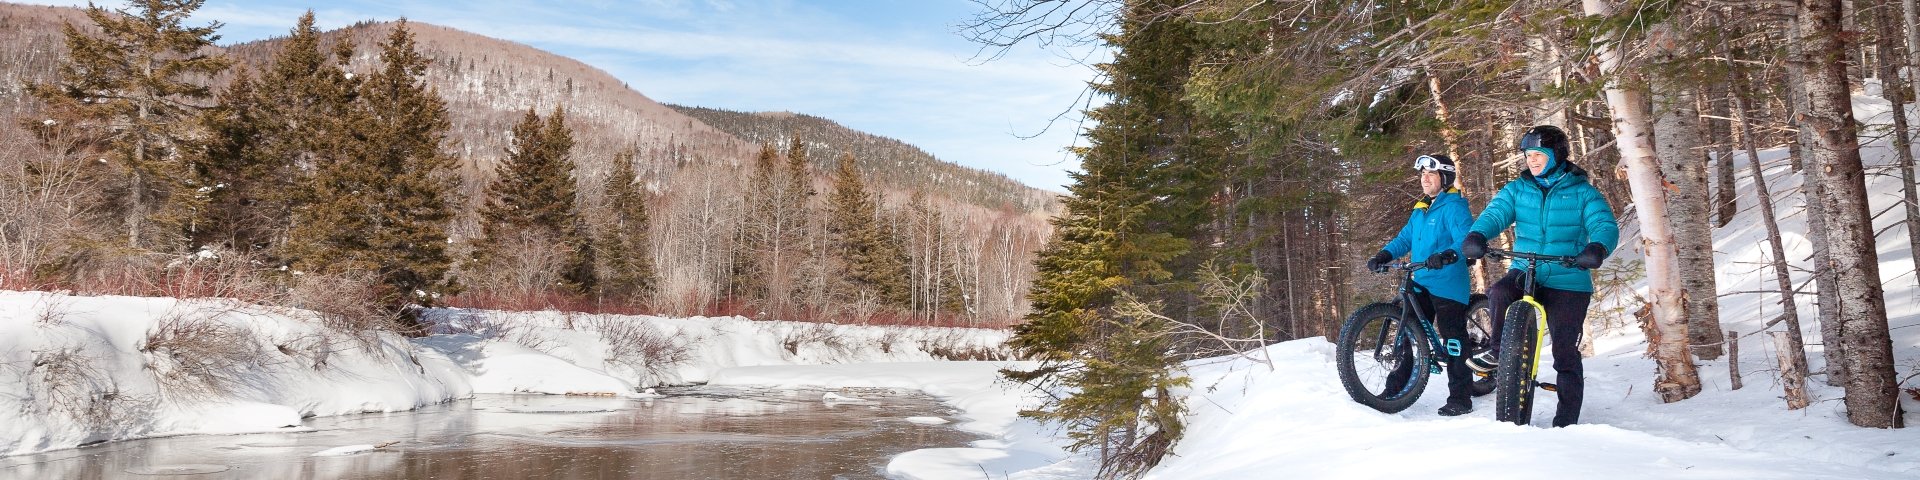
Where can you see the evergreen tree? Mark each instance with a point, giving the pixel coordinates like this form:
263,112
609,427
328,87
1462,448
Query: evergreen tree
628,250
227,162
874,265
381,206
305,101
751,266
139,85
1139,202
533,197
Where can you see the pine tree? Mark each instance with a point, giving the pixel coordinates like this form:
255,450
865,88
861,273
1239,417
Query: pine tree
628,250
381,207
140,85
874,265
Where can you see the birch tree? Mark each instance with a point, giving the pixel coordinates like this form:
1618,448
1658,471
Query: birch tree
1632,126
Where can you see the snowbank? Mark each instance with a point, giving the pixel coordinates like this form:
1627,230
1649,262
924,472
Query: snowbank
81,370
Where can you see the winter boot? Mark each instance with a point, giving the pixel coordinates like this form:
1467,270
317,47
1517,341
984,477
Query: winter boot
1455,409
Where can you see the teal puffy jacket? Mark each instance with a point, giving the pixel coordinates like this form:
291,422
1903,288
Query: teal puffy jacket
1433,228
1560,220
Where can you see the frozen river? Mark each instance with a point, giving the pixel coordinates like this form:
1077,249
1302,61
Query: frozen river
693,432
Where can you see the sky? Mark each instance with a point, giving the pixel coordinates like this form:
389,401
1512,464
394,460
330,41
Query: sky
895,68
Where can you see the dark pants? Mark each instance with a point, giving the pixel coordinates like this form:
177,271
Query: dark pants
1566,314
1450,317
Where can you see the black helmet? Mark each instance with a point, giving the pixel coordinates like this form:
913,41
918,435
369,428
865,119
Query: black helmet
1549,137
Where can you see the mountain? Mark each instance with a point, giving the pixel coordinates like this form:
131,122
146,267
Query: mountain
893,163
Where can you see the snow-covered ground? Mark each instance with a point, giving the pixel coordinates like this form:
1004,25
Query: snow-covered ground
81,370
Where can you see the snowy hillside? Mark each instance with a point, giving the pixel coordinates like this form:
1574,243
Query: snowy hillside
81,370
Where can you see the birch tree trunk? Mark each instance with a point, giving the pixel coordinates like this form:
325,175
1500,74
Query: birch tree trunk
1677,379
1872,394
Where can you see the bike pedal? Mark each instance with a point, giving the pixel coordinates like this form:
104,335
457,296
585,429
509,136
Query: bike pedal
1549,387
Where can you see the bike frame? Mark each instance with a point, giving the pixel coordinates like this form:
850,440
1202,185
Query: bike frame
1526,297
1410,308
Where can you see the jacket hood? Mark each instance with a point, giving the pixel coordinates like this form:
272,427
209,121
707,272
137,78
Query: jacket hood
1573,171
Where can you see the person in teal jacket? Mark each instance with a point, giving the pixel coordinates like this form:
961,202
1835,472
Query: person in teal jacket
1432,235
1553,211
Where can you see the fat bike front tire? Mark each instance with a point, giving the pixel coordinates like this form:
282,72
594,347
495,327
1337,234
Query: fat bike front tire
1373,343
1514,380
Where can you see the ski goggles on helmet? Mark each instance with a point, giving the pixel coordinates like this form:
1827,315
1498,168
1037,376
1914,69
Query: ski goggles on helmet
1533,137
1427,162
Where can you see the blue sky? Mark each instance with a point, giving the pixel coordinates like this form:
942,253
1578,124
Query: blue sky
892,68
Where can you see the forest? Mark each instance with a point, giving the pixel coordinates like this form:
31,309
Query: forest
1269,144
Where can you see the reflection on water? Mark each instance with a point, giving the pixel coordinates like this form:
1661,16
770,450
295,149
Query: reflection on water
696,432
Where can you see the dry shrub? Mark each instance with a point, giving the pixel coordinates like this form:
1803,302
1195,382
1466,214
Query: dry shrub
814,333
196,356
518,267
510,327
889,337
954,345
641,345
311,350
345,302
67,381
53,310
230,275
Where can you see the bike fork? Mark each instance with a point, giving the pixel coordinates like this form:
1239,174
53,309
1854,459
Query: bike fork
1539,335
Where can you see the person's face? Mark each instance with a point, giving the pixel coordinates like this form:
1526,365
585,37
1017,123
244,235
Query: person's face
1536,161
1430,182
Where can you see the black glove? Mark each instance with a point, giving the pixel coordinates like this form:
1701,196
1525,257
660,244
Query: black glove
1591,257
1475,247
1378,264
1442,259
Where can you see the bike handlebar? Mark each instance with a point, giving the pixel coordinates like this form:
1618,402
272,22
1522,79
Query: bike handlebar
1565,261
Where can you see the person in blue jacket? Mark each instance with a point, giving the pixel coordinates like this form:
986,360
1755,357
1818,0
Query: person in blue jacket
1435,228
1553,211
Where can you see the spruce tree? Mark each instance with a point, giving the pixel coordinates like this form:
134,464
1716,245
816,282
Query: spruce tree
625,243
751,265
533,197
872,261
228,161
305,101
382,206
1140,200
140,86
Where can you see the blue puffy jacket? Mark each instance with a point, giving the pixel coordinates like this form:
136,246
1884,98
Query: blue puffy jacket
1434,227
1557,220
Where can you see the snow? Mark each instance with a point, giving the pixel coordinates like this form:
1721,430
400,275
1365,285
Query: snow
118,386
346,450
